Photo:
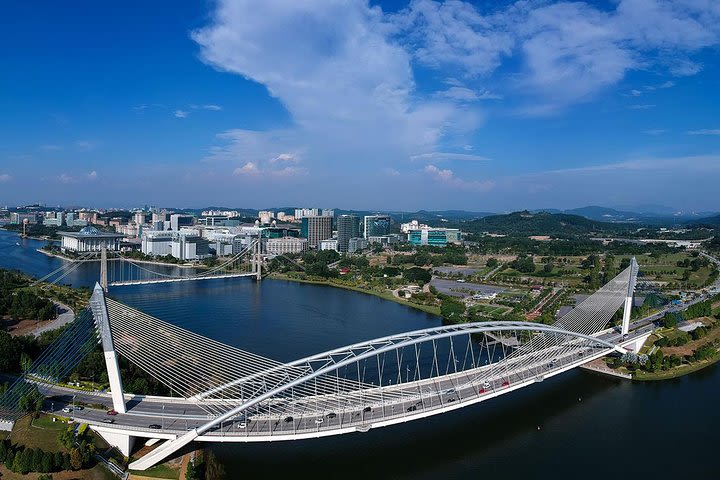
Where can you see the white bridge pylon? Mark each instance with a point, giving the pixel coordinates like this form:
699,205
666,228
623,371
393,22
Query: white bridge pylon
365,385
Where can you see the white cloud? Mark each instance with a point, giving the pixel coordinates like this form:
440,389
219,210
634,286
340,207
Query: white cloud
447,177
5,177
705,131
645,106
635,93
248,169
211,107
349,89
391,172
92,176
285,157
654,131
85,145
181,113
445,156
65,178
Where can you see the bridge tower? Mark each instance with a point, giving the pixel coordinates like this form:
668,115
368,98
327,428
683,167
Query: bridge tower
257,262
627,307
103,268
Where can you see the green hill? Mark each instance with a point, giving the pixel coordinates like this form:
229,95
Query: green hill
560,225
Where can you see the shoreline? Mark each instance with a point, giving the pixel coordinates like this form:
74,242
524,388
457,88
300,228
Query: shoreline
149,262
424,308
678,372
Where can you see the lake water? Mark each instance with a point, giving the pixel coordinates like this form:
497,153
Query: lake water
577,425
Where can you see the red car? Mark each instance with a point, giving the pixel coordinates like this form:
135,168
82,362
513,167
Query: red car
481,391
505,383
112,412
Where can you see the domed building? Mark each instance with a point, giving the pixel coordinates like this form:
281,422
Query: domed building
89,239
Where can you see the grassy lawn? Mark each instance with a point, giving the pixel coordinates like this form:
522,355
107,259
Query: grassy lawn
158,471
42,435
46,422
386,294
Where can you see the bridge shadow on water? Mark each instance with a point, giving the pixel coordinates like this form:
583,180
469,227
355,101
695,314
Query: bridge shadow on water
461,443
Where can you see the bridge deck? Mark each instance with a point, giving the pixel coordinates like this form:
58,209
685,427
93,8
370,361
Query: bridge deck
181,279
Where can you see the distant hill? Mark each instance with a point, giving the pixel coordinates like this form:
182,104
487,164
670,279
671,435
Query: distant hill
543,223
713,221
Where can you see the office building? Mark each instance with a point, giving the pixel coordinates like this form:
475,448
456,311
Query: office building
89,239
53,219
356,244
348,226
315,229
301,213
280,246
329,244
265,216
189,247
435,236
177,221
19,218
376,225
327,212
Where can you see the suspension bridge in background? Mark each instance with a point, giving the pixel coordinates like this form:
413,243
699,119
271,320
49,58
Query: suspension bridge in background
221,393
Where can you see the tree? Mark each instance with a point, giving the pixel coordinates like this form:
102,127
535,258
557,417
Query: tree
3,451
10,358
492,262
75,459
417,274
214,470
193,471
452,308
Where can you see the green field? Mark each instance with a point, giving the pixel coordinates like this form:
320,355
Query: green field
38,433
159,471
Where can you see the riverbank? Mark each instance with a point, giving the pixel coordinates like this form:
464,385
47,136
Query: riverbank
42,238
677,371
434,310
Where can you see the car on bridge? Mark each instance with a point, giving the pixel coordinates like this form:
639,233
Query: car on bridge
506,383
288,419
331,415
112,412
108,420
67,409
154,426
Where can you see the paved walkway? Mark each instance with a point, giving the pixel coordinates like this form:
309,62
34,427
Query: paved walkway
64,318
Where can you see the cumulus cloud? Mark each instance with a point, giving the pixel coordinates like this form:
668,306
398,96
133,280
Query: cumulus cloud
248,169
5,177
85,145
447,177
654,131
181,113
92,176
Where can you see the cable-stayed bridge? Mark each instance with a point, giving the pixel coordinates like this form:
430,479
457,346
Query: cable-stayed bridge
224,394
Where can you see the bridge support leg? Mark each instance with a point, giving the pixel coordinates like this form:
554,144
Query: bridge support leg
99,309
627,308
121,441
637,344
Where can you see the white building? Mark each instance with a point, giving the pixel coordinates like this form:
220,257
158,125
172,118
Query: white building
265,216
157,243
329,244
412,225
305,212
89,239
279,246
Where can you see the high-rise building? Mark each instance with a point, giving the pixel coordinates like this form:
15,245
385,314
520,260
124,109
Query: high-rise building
327,212
178,221
316,228
265,216
279,246
329,244
139,218
348,226
376,225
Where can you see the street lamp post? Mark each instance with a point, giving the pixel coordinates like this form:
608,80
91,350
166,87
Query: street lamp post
163,417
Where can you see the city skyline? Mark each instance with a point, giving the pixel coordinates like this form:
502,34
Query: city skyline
393,105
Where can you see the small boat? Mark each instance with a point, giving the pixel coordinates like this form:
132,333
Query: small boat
17,243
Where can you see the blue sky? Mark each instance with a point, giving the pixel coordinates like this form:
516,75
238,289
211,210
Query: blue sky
399,105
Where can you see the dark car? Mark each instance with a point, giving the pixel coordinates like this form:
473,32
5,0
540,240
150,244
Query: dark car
108,420
288,419
367,409
332,415
411,408
154,426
